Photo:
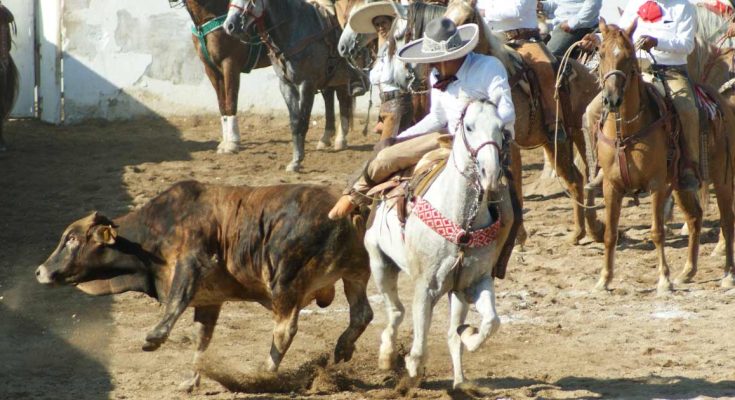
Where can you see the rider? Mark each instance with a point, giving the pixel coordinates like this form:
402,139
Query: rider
457,74
572,19
666,29
396,107
516,19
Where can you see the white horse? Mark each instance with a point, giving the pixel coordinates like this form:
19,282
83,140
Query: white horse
437,265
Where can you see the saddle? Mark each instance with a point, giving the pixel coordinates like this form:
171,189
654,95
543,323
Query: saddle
402,187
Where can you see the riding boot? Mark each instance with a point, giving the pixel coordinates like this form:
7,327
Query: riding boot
508,206
358,82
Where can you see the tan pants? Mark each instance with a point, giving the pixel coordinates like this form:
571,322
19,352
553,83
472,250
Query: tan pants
686,109
395,158
539,60
396,116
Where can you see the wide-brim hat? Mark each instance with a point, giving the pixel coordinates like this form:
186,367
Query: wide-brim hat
361,21
442,41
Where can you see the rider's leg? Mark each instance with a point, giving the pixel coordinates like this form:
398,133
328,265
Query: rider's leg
358,81
561,41
591,119
386,163
538,58
686,109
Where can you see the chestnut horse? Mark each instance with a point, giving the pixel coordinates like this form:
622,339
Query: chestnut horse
634,123
529,128
225,58
8,70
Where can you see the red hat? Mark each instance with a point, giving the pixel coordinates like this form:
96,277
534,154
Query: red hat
650,11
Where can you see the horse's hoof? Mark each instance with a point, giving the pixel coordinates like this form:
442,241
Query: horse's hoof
188,385
321,145
664,288
293,167
728,281
343,352
228,148
340,145
598,233
575,237
601,286
719,250
386,361
684,277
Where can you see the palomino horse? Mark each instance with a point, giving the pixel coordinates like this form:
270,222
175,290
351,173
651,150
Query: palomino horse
8,70
225,58
302,48
632,151
454,252
529,129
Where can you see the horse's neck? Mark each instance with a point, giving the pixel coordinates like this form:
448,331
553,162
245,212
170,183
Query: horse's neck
285,19
200,12
454,195
630,109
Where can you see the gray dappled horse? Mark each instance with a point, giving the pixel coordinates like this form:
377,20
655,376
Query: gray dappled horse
8,70
302,48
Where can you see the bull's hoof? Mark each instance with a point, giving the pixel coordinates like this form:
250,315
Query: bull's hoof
340,144
293,167
228,148
728,281
322,145
343,352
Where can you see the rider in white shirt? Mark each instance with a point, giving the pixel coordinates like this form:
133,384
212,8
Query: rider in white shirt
572,19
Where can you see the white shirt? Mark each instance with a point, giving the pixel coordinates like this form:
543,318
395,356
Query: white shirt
479,77
505,15
381,74
674,31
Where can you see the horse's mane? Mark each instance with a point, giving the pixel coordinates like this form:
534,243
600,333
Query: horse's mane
419,14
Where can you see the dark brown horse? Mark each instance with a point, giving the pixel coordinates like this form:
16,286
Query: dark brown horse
225,58
8,70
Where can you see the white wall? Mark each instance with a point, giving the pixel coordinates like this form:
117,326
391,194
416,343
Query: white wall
136,57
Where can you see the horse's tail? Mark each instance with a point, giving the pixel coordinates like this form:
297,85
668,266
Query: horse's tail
8,88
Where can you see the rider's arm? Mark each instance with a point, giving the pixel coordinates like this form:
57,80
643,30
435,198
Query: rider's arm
683,41
498,92
587,15
434,121
502,10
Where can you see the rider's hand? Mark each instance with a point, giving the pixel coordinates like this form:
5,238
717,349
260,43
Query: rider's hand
646,42
589,42
565,27
384,143
730,30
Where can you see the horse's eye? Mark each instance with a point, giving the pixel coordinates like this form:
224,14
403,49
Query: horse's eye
468,128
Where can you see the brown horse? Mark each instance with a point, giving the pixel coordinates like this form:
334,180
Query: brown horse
8,70
632,151
529,128
225,58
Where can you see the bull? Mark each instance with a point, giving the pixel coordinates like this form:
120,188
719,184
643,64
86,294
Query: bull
199,245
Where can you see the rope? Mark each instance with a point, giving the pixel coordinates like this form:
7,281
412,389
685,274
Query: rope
559,78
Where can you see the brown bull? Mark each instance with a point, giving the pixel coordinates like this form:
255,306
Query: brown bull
200,245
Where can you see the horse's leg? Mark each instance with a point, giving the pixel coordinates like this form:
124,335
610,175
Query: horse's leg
205,318
230,128
385,275
484,299
516,170
345,117
693,213
565,168
3,147
423,308
658,236
613,200
329,129
457,315
360,313
724,192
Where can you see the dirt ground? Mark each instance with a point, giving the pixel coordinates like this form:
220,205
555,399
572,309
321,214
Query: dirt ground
558,338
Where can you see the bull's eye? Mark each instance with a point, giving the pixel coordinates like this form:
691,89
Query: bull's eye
72,242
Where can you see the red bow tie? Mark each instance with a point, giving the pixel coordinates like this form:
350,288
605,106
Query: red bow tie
443,83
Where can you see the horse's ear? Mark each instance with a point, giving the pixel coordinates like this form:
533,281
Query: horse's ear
631,28
603,26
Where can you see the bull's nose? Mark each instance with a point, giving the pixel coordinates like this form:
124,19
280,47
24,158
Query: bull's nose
43,276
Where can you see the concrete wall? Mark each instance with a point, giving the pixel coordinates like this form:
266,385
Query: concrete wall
135,57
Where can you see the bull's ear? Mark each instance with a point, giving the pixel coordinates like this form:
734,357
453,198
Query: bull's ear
105,234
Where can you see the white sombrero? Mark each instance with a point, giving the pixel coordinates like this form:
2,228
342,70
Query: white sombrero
442,41
361,21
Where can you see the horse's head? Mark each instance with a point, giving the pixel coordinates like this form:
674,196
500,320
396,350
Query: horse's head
352,43
618,64
242,13
479,145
